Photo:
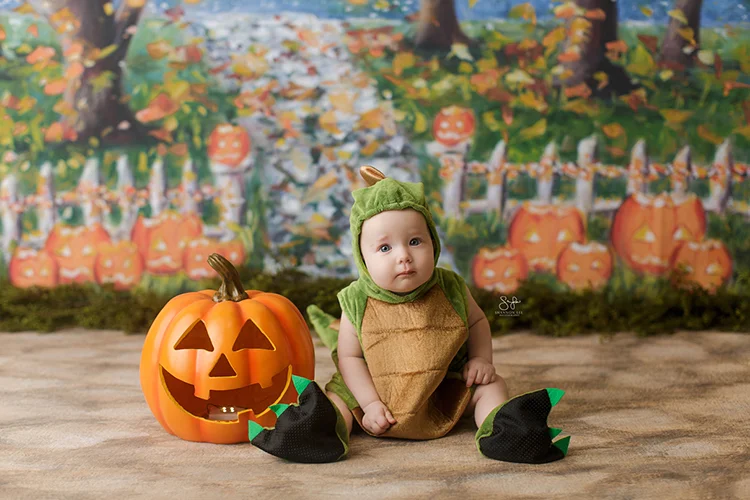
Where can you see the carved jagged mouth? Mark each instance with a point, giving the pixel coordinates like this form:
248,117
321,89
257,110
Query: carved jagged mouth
226,405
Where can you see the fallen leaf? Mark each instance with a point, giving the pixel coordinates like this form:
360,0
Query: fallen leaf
342,101
370,148
705,133
596,15
56,87
613,130
371,119
329,122
676,115
539,128
679,15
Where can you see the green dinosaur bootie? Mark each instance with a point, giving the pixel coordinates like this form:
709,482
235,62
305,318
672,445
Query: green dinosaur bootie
311,431
516,431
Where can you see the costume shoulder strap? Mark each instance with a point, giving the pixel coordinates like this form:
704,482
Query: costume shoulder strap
353,300
454,287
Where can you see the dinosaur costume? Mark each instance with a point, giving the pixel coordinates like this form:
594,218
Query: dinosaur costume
415,347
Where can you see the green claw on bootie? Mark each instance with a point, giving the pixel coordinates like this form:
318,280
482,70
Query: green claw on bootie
517,430
309,431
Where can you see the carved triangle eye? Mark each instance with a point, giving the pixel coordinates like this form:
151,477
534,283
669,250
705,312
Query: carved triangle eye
251,337
195,338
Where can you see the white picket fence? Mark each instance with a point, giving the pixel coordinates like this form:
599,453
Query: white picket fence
96,201
640,172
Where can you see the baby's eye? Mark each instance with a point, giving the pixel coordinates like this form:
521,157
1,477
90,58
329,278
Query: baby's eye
415,241
384,248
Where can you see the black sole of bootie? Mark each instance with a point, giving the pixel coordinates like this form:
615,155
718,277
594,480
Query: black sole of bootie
519,432
312,431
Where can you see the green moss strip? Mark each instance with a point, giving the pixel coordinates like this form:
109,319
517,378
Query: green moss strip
544,309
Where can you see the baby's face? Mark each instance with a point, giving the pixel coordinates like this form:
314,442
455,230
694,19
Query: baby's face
397,249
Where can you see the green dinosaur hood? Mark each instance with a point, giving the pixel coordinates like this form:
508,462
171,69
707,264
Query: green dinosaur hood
389,194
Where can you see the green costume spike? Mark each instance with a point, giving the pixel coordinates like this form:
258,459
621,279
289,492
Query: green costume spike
279,409
562,445
553,432
321,322
555,395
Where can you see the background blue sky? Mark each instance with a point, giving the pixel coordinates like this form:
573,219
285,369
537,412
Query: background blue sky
714,12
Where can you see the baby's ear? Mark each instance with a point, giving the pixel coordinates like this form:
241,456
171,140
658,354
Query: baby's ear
370,174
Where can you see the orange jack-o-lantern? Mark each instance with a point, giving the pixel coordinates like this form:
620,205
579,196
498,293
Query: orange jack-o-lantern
162,240
229,145
29,267
648,229
500,269
706,263
75,249
541,232
196,255
214,359
234,251
453,125
583,266
120,264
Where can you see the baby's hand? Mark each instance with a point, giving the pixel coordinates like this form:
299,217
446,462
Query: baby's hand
377,418
479,371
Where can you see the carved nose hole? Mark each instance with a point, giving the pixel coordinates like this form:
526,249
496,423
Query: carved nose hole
222,368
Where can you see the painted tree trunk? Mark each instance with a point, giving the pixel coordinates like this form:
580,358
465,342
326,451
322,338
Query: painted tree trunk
438,26
593,48
673,48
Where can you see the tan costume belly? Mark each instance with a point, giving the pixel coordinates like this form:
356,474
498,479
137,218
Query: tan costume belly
408,348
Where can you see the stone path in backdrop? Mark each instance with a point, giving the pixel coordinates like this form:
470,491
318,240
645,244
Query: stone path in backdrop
661,417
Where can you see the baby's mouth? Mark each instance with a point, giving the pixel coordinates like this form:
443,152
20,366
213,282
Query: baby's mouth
406,273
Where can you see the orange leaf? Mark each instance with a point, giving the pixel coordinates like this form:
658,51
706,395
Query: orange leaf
33,30
56,87
370,148
650,42
40,54
158,49
371,119
507,115
613,130
2,34
74,70
580,90
617,46
569,56
180,149
596,15
729,86
162,135
158,108
565,11
615,151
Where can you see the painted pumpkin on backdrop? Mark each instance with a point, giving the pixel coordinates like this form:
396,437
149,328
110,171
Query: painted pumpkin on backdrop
29,267
501,269
229,144
541,232
214,359
197,251
75,249
120,264
162,240
648,229
706,263
453,125
582,266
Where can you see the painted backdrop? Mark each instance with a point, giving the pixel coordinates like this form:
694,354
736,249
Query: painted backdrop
582,142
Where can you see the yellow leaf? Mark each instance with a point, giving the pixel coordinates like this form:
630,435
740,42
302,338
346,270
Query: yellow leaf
136,4
472,3
539,128
487,64
679,15
108,9
523,11
371,119
358,2
602,78
580,106
676,115
488,117
613,130
171,123
106,51
399,115
666,74
179,90
329,123
745,131
461,51
706,57
370,148
554,37
518,76
465,67
531,100
688,34
24,8
402,61
706,134
641,62
342,101
420,122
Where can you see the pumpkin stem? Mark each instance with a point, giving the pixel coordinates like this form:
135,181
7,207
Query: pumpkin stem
231,286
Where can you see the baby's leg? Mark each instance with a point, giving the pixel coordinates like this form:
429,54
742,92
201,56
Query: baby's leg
486,398
345,412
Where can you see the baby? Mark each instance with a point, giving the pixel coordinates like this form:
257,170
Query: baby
414,350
